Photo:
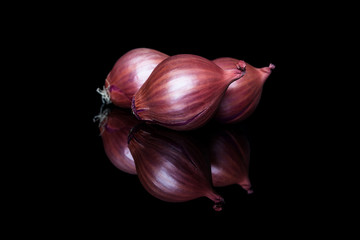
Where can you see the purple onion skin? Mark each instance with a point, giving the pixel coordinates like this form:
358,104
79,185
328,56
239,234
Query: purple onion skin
242,96
170,165
230,156
114,130
129,72
184,91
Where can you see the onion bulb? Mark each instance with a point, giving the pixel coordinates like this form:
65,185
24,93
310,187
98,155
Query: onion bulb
242,96
184,91
128,74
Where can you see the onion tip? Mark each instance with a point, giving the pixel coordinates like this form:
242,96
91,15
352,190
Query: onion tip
241,65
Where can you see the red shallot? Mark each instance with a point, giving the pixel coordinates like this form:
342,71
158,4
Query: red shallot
184,91
242,96
128,74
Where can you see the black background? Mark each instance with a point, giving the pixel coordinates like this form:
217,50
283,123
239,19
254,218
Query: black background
78,183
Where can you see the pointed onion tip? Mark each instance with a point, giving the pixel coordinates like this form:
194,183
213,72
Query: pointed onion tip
267,70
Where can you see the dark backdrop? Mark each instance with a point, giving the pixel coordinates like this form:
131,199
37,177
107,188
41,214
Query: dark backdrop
88,189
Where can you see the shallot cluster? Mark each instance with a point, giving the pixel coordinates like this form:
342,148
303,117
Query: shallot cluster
183,92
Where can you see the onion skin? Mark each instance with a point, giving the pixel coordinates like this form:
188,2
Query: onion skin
170,165
114,129
242,96
184,91
230,156
129,72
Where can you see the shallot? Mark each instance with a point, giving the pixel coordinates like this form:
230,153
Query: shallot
128,74
242,96
184,91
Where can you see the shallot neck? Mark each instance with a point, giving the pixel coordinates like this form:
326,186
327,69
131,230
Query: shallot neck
217,199
266,71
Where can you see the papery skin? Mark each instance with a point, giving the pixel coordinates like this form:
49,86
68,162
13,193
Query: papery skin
129,73
171,167
242,96
183,91
230,156
115,129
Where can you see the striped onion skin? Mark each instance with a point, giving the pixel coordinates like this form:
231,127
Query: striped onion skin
171,166
129,72
243,96
183,91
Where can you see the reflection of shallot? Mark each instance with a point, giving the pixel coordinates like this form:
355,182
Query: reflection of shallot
230,155
242,96
171,166
115,125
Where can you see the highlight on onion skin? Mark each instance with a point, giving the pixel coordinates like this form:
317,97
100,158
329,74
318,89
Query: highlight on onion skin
184,91
115,125
170,166
230,156
128,74
242,96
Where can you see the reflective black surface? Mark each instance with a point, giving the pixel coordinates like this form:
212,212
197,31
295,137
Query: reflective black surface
273,167
89,187
99,188
66,181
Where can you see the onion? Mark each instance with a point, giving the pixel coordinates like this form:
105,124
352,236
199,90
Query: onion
171,166
229,156
115,125
183,91
242,96
128,74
